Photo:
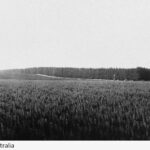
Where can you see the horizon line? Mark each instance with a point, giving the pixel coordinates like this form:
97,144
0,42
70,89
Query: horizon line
75,67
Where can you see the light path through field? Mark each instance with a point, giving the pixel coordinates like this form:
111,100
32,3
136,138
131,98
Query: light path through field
43,75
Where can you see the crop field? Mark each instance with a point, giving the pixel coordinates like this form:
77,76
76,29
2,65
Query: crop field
74,110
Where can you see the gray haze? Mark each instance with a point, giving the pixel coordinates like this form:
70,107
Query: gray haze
74,33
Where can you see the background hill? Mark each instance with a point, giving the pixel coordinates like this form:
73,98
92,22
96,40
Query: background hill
24,76
45,73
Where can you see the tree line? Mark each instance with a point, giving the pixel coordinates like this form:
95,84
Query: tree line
138,73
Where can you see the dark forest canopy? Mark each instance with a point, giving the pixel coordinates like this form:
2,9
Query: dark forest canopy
135,74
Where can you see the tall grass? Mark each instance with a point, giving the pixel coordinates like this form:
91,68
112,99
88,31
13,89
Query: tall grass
74,110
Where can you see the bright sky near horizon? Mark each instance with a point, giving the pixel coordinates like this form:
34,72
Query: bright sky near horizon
74,33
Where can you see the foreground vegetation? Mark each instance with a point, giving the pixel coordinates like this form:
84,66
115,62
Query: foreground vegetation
74,110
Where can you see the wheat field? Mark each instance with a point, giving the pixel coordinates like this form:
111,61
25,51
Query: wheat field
74,110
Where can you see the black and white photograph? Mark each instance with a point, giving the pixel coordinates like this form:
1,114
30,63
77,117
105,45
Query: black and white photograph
74,70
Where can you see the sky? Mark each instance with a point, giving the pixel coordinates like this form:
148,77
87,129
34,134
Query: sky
74,33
